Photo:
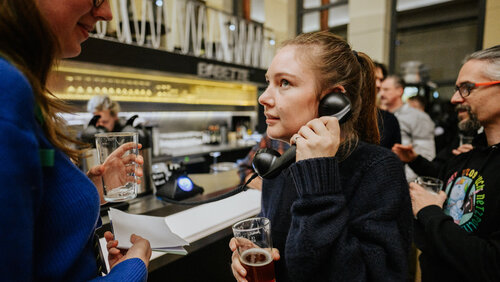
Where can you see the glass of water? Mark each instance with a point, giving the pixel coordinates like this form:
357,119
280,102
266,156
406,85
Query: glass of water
118,151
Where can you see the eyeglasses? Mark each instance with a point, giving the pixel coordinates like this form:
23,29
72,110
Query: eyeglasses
465,88
98,3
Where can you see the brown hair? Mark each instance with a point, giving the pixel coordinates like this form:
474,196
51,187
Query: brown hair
29,44
337,64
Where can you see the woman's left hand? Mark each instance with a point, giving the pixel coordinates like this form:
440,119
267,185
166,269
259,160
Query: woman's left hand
114,254
140,249
95,173
319,138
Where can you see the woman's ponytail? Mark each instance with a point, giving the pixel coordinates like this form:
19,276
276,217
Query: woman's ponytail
367,121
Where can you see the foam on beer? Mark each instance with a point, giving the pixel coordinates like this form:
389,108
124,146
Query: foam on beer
256,251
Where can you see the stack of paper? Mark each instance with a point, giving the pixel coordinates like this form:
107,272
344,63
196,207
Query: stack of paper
152,228
201,221
169,234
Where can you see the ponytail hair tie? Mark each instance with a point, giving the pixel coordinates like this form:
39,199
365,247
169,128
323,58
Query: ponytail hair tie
356,54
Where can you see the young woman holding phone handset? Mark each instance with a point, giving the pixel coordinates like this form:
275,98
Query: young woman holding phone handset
342,211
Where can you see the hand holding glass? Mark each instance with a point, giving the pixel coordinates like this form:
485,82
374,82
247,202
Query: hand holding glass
431,184
254,246
117,152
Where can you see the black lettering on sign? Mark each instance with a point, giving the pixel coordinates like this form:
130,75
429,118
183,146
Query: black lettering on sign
222,72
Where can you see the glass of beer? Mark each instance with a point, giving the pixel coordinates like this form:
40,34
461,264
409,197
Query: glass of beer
254,244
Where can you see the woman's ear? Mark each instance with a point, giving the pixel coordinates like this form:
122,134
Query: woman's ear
336,88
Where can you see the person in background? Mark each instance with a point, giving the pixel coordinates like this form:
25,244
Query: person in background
108,110
245,168
468,123
416,126
417,102
342,211
50,209
388,124
458,229
380,74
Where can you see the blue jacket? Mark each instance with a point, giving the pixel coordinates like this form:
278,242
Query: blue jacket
48,212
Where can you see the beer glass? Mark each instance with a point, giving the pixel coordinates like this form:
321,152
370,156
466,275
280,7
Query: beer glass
254,245
431,184
118,151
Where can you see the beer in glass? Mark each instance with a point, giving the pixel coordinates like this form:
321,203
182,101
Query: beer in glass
254,245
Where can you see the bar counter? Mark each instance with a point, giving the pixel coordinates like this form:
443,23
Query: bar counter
208,249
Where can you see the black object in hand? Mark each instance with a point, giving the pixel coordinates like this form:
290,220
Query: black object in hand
268,163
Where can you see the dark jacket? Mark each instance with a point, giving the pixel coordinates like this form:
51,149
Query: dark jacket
388,126
462,241
341,221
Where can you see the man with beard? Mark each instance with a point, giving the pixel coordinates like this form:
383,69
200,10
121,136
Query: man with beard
468,125
458,230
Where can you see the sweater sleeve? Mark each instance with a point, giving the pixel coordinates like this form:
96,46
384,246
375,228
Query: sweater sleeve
366,239
21,177
422,166
133,270
474,258
432,168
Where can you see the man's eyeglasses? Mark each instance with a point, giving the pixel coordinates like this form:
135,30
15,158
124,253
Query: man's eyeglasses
464,89
98,3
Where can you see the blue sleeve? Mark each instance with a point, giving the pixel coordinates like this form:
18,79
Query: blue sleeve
19,197
365,237
129,270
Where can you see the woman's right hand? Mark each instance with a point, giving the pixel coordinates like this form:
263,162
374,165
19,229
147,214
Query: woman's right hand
239,272
140,249
320,137
117,167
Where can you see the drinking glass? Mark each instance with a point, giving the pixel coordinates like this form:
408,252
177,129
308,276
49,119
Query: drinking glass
117,151
465,140
431,184
254,245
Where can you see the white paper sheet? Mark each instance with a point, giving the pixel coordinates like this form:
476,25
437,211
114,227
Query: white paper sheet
153,228
201,221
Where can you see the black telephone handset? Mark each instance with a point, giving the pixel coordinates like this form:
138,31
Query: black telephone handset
268,163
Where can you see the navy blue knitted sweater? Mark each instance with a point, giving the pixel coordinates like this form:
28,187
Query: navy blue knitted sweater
347,221
48,213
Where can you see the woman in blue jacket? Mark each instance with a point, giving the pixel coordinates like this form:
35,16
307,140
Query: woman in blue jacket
49,208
